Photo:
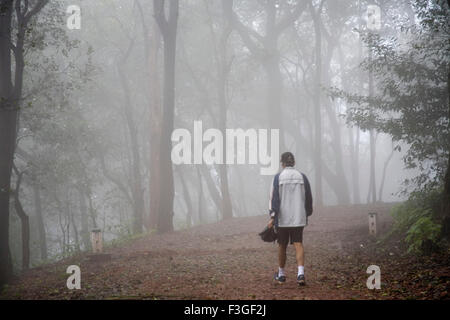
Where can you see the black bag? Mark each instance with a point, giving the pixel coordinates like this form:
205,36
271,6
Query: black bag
268,234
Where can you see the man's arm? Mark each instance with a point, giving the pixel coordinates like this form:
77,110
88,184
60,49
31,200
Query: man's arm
274,204
308,197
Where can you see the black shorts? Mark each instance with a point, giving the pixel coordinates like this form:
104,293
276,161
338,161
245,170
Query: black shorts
294,234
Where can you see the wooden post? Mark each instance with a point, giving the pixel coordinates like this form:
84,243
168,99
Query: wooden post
373,223
97,240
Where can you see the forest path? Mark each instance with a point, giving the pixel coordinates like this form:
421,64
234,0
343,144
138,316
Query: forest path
228,260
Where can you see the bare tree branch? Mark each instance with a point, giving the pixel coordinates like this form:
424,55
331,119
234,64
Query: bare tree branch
291,17
245,32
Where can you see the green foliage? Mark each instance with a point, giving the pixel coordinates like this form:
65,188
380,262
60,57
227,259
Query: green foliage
416,219
410,100
422,230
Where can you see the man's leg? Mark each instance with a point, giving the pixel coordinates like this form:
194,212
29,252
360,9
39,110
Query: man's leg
282,254
300,256
299,253
283,238
280,276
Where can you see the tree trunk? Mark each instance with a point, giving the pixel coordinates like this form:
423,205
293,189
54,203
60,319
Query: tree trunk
227,211
75,229
372,194
200,199
25,225
85,235
317,109
271,65
343,191
354,163
91,210
62,228
353,145
356,189
224,70
7,142
25,222
152,38
372,183
138,191
136,187
155,130
40,222
241,190
446,203
8,130
187,199
68,220
212,189
446,194
168,29
383,177
165,215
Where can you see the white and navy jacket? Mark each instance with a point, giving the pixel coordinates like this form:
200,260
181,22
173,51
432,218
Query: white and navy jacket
290,198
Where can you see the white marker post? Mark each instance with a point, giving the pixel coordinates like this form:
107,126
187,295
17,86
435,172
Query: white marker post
97,240
373,223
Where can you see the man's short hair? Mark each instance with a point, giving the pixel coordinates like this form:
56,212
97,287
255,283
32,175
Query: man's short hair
287,159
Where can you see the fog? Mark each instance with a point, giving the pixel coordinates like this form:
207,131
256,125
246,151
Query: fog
100,104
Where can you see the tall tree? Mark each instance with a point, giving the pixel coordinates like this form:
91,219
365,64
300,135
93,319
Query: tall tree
155,125
152,39
187,198
315,14
223,67
168,28
24,220
372,194
40,221
265,49
137,191
11,43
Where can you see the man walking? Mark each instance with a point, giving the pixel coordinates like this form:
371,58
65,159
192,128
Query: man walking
289,208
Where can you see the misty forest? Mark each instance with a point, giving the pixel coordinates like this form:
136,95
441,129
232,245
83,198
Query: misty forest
91,93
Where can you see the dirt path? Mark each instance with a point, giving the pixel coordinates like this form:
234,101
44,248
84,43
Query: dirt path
226,260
